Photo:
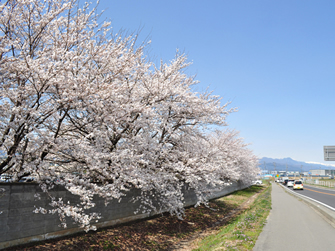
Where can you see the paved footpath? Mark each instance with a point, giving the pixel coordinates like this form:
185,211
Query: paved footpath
292,225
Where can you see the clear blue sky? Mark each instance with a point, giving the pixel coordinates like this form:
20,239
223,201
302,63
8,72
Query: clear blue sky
273,59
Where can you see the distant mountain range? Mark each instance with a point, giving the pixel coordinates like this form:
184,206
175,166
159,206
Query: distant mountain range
291,165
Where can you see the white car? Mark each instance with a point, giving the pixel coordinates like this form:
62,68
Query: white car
290,183
27,179
258,182
5,178
298,185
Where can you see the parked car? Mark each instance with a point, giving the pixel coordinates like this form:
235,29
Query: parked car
27,179
290,183
6,178
258,182
298,185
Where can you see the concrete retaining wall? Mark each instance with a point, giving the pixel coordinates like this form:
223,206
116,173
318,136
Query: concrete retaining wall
19,225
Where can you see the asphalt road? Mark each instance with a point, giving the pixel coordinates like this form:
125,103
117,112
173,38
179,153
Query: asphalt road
292,225
325,196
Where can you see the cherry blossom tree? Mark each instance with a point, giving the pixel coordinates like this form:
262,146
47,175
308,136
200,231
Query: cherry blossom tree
81,104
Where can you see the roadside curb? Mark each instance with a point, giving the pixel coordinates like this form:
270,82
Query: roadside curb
326,213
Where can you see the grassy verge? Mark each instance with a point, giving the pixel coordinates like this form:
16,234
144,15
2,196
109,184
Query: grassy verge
242,232
166,232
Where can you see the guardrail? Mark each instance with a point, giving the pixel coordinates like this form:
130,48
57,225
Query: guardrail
325,211
318,182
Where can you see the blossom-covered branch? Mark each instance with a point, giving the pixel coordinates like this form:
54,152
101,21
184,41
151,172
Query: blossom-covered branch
83,108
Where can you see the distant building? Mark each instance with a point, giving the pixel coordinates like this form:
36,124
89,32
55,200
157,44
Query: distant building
322,172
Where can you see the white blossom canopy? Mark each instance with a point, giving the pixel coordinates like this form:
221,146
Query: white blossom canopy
80,104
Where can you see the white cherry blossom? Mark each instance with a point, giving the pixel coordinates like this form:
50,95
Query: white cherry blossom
83,108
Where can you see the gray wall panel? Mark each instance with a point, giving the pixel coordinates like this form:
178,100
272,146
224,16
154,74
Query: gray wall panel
20,225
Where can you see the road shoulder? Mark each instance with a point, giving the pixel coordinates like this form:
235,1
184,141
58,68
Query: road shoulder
294,224
327,214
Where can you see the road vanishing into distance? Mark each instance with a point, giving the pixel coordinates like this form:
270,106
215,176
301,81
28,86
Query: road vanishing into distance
293,225
325,196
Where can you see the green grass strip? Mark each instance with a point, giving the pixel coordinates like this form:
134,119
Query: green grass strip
241,232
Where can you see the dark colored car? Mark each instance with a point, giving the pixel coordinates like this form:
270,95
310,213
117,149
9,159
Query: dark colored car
285,182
